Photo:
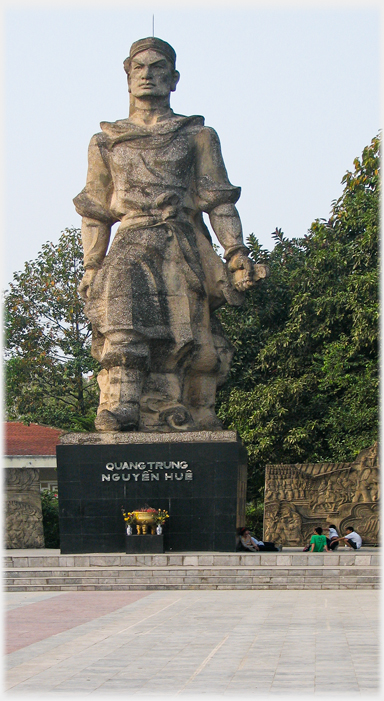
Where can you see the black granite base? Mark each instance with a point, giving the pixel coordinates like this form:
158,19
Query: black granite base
201,485
142,544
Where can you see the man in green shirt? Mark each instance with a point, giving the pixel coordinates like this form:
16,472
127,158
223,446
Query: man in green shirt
318,541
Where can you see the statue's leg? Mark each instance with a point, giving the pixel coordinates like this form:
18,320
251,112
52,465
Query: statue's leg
103,382
200,385
125,358
200,393
208,370
126,385
122,410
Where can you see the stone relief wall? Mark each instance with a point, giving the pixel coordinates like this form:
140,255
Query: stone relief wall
300,497
24,518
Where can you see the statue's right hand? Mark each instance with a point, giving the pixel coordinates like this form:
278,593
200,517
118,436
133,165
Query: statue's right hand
86,282
241,269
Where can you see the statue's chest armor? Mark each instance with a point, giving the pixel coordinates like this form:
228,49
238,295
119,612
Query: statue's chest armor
170,165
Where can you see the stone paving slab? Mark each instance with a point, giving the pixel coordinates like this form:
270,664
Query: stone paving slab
48,617
221,643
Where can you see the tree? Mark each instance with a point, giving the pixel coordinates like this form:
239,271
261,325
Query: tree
304,383
49,368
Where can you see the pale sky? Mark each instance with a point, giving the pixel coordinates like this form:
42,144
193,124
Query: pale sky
293,92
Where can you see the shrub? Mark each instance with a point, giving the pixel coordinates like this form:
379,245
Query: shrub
50,507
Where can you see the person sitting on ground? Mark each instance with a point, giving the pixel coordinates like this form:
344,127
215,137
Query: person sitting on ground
247,542
351,538
333,537
318,542
266,545
244,540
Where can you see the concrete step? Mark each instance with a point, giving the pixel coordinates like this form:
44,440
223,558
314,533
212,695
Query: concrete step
362,558
291,570
30,579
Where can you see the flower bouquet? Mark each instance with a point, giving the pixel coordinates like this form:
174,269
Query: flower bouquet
160,518
129,519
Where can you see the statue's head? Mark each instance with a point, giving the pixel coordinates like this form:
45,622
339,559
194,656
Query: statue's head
150,67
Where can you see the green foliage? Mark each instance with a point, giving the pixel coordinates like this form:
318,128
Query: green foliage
254,514
47,341
50,508
304,383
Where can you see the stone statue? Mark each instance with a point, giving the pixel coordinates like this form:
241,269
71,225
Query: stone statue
151,297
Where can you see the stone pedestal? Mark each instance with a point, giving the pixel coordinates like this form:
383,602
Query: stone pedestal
198,477
24,518
143,544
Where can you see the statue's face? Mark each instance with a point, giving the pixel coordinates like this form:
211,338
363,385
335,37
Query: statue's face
151,75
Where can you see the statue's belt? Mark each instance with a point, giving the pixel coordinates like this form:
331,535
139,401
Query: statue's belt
186,238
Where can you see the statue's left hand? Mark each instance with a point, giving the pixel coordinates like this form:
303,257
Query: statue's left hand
86,282
241,269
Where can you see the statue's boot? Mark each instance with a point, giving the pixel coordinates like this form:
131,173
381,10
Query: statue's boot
206,420
123,418
125,387
122,411
106,421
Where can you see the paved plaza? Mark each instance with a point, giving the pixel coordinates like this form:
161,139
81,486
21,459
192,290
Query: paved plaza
185,643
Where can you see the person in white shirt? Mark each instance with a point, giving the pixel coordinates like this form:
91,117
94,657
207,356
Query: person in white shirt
352,539
333,537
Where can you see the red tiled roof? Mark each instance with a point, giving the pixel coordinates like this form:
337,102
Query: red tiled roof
20,439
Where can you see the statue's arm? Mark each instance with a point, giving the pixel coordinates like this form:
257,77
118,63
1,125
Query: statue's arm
93,205
217,198
95,236
226,224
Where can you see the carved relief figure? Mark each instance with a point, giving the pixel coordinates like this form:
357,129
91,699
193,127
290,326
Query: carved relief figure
285,524
151,296
24,526
271,509
291,522
366,485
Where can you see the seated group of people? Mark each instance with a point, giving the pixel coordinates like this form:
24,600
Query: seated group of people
320,543
247,542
